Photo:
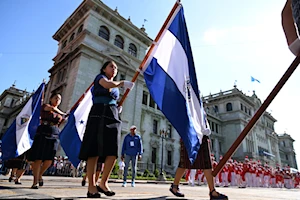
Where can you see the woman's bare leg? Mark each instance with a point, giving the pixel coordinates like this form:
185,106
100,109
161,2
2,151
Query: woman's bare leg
108,167
91,171
36,167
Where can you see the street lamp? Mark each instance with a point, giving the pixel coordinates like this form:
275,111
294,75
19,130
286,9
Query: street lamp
163,135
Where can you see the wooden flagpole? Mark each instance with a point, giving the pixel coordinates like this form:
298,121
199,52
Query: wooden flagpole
82,96
257,115
150,50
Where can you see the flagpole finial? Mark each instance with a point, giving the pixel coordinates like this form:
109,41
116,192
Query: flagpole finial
14,84
143,25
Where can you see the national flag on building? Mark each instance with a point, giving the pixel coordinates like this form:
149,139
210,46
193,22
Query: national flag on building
254,79
170,76
19,136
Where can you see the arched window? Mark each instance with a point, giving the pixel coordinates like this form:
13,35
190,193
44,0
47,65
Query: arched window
104,32
80,29
119,42
216,109
229,107
64,44
72,37
132,49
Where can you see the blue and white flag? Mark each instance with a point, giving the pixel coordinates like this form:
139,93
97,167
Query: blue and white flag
254,79
19,136
170,76
72,134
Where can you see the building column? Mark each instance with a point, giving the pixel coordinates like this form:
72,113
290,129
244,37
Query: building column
216,148
255,143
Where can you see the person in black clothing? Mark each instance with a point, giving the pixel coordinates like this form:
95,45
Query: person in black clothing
45,142
100,141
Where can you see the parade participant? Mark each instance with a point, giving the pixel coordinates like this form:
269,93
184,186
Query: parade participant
279,178
214,165
245,173
99,169
231,173
267,177
291,16
297,180
45,141
18,166
199,176
121,165
192,177
239,172
225,175
100,141
203,161
272,178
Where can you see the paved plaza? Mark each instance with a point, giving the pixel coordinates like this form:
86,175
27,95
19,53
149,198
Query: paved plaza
70,188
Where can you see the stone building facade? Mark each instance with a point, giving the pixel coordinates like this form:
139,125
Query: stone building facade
93,34
12,101
228,114
287,151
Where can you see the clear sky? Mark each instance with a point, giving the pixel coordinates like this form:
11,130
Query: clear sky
231,41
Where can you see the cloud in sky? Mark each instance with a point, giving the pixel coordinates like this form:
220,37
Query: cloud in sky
264,29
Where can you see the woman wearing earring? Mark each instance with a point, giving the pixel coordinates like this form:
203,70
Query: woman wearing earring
45,142
100,141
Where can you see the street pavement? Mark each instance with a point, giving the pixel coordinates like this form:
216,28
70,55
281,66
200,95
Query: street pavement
60,188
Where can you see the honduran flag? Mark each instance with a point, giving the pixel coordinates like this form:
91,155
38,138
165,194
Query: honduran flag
170,76
19,136
72,134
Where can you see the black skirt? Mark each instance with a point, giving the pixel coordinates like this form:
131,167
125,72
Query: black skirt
45,143
19,162
203,160
102,133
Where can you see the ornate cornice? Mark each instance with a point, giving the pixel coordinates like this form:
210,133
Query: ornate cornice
103,10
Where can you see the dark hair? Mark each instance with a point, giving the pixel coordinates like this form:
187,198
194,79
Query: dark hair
52,95
105,65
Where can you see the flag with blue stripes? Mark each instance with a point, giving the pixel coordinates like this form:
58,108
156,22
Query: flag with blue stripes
170,76
254,79
72,134
19,136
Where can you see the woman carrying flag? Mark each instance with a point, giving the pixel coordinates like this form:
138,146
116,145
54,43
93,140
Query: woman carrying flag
100,140
45,142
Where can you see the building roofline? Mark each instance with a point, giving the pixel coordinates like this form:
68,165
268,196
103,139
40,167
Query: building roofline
88,4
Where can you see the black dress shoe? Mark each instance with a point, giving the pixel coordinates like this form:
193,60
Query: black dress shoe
18,183
34,187
95,195
219,197
178,193
107,193
10,179
83,183
41,182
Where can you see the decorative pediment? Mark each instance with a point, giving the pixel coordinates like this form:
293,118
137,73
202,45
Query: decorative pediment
170,147
154,143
